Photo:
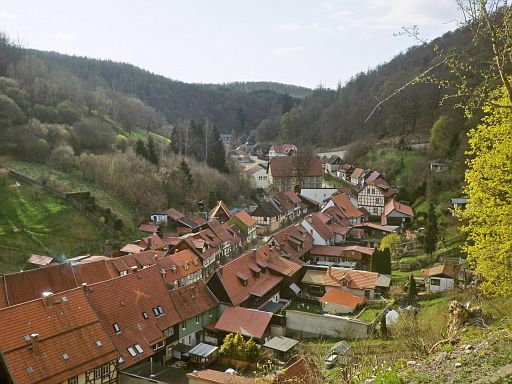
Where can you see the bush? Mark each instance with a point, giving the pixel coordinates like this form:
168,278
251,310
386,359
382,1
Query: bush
236,347
118,224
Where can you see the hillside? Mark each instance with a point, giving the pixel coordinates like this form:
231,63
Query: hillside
252,86
33,221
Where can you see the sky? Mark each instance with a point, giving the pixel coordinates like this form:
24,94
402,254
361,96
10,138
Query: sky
301,42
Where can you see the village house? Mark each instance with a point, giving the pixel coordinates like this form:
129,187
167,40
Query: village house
292,173
258,176
138,315
344,172
281,150
339,302
333,164
354,256
317,195
245,223
357,176
171,216
318,229
318,280
255,278
197,307
268,217
149,228
369,234
180,269
294,241
371,198
55,338
396,214
440,278
342,205
207,246
458,204
220,212
231,242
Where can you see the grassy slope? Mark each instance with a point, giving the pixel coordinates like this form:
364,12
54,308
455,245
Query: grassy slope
33,221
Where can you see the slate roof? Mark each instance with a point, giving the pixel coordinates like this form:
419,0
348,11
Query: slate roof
65,324
123,301
249,322
343,298
193,299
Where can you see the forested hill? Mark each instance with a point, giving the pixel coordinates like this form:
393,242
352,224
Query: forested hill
232,108
251,86
338,117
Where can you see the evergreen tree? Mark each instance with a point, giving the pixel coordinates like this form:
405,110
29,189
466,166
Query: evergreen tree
152,151
431,231
411,289
383,327
386,262
140,149
212,199
375,260
216,152
185,171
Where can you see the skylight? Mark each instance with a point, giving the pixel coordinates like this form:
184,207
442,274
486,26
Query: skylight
116,327
138,348
132,352
145,315
65,356
160,310
99,343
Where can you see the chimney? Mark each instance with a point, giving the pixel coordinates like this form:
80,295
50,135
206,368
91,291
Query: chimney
34,343
47,298
134,268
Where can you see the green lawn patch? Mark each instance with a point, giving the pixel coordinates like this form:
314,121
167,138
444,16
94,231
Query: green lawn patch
369,314
305,307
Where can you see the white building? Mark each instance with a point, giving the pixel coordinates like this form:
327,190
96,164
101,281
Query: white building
439,278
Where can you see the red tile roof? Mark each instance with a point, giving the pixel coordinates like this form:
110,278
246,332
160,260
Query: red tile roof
358,172
224,232
287,167
123,301
341,297
440,270
174,214
214,377
248,322
374,226
320,227
193,299
293,240
345,206
179,265
263,258
355,279
94,272
65,324
294,198
132,248
301,372
245,218
40,260
153,242
218,210
392,205
30,285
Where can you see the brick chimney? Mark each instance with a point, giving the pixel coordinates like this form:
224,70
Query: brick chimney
34,343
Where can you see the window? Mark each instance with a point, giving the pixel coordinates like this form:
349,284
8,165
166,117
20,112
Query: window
105,369
197,319
377,200
97,373
436,282
155,311
184,325
160,310
145,315
116,327
138,348
131,351
73,380
210,312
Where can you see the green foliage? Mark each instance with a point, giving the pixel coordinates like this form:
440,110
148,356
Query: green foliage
10,112
431,230
236,347
412,291
444,136
383,328
68,112
380,261
185,171
45,113
216,152
121,143
489,186
152,152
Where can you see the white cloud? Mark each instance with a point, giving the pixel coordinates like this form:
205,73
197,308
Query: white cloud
283,51
7,16
64,36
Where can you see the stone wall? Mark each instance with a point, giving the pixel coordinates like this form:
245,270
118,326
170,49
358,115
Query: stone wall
308,325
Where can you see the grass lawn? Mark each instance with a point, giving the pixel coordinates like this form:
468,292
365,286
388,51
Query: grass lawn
305,307
33,221
383,158
69,183
136,135
400,278
369,314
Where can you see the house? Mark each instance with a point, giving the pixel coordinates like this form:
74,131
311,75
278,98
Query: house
351,256
318,195
357,176
261,150
318,280
337,301
227,140
246,223
255,278
170,216
149,228
220,212
268,217
190,223
345,171
440,278
153,243
131,248
207,246
342,205
396,213
372,199
333,164
197,307
56,338
281,150
294,241
458,203
246,321
210,376
138,315
295,172
369,234
230,240
258,176
180,269
318,229
437,166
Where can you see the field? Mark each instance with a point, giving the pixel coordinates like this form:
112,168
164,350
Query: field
33,221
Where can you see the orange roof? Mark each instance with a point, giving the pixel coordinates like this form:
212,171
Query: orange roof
153,242
70,339
131,248
248,322
218,210
358,172
347,209
351,278
341,297
283,148
245,218
224,232
301,372
293,240
123,301
440,270
193,299
319,226
179,265
252,266
393,205
212,376
374,226
94,272
144,227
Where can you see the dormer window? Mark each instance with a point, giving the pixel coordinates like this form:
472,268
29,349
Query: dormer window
243,278
117,329
155,311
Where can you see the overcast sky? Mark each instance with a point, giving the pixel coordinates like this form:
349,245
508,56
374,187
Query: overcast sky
303,42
